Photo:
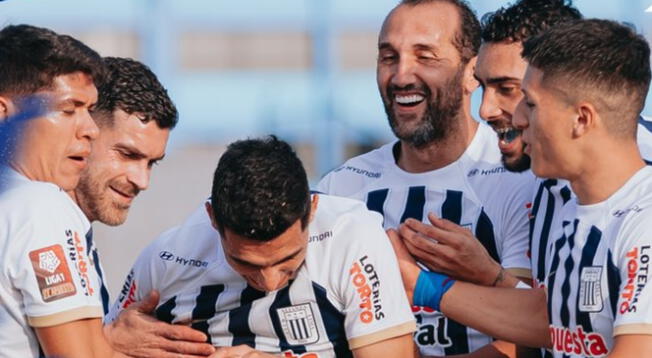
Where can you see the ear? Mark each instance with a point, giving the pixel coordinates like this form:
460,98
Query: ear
469,82
314,202
209,212
586,119
7,108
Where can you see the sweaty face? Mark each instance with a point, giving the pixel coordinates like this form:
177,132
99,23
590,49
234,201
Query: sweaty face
547,124
500,70
55,147
419,72
267,265
120,166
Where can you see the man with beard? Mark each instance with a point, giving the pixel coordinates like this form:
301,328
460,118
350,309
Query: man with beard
444,162
135,116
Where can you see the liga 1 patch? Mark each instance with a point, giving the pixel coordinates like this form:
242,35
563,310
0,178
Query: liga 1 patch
52,273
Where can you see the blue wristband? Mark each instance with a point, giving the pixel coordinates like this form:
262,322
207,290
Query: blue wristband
430,288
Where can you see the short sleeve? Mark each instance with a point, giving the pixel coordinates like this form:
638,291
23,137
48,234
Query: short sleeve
53,271
633,250
375,304
516,228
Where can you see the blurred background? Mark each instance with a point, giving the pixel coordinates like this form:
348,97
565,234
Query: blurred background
301,69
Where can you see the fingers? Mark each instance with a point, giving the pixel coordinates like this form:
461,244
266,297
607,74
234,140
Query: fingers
399,247
446,225
177,332
148,304
192,349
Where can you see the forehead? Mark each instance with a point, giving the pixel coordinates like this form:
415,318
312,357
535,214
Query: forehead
76,85
500,59
532,81
129,130
433,24
263,253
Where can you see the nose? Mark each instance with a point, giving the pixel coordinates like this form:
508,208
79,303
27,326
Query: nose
404,73
271,279
489,109
519,119
87,127
139,175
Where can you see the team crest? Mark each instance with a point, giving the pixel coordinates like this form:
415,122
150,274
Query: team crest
590,295
298,324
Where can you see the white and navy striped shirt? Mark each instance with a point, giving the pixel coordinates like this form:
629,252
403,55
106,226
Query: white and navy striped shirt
598,271
475,191
348,293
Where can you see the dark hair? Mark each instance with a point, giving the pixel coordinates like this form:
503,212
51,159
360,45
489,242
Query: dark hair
133,87
598,58
31,57
260,189
526,18
467,39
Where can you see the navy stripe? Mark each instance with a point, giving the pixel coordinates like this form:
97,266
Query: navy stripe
553,271
281,300
451,209
646,124
164,311
544,236
205,307
376,201
92,250
613,282
565,194
565,286
534,213
239,318
416,201
647,162
333,322
588,253
484,231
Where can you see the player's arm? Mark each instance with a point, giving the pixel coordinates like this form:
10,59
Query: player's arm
77,339
632,345
510,314
401,346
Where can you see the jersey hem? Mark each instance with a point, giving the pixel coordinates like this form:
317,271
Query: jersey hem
520,272
66,316
391,332
637,328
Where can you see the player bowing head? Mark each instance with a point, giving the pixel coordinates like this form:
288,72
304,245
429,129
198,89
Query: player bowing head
261,206
135,116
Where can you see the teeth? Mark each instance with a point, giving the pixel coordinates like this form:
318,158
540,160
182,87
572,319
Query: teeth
409,99
507,135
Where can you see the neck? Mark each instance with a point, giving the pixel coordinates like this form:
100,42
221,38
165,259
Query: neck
441,153
609,168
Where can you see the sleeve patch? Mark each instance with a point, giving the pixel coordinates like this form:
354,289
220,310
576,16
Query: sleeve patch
365,279
52,273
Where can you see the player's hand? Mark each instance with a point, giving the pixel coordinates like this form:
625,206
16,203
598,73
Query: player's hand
241,351
409,269
137,334
454,251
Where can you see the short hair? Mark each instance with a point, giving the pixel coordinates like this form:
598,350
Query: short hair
260,189
132,87
31,57
526,18
467,39
601,59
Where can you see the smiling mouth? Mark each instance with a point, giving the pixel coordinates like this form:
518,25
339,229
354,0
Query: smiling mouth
123,194
507,135
410,100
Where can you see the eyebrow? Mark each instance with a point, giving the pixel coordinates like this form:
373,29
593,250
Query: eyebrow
501,79
135,151
287,258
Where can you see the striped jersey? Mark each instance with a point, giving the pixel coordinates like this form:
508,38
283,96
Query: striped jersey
597,278
347,294
475,191
49,274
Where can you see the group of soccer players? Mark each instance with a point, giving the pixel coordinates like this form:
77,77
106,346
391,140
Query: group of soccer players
525,237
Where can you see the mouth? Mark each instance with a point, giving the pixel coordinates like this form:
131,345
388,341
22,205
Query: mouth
80,159
507,135
127,196
409,100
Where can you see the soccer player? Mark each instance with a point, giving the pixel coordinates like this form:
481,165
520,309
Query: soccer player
444,162
135,116
49,291
584,88
268,267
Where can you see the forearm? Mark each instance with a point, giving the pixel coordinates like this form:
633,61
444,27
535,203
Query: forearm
514,315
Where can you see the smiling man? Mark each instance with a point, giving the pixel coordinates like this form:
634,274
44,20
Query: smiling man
444,161
266,267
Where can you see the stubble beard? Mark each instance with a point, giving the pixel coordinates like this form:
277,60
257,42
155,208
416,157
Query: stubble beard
96,204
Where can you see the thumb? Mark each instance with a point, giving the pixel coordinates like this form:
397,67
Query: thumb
149,303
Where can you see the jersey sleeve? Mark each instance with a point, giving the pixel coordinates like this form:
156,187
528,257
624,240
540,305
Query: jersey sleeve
515,230
53,271
375,304
140,280
633,250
